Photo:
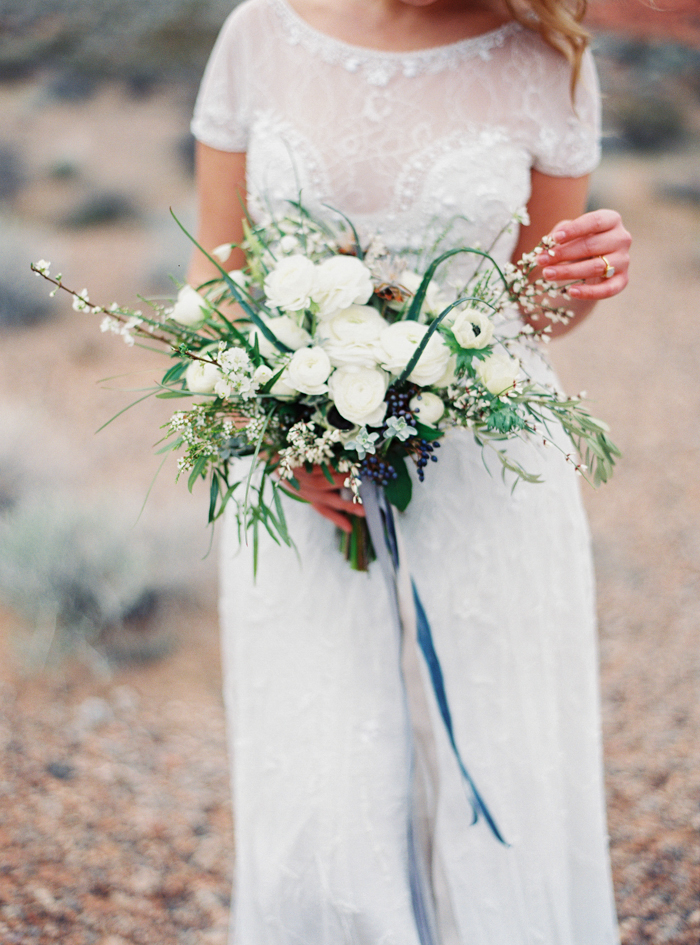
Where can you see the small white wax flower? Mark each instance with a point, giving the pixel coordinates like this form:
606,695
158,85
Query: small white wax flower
399,342
358,394
43,267
427,407
288,332
189,309
80,301
222,252
339,282
521,216
289,243
308,370
289,284
498,372
472,329
202,377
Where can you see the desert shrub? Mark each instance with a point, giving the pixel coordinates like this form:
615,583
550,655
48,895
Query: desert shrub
98,208
649,121
11,172
81,581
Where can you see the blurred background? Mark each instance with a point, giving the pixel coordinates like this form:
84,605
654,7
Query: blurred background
114,820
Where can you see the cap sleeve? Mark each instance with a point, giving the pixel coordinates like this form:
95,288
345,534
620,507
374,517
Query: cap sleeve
567,143
220,112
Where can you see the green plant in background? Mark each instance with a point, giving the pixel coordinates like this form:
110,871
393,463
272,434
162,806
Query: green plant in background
81,583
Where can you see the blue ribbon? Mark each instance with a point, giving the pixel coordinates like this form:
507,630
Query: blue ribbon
382,529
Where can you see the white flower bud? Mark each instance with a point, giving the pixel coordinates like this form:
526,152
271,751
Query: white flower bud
427,407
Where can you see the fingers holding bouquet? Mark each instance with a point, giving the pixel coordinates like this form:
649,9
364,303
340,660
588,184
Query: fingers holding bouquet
329,498
592,252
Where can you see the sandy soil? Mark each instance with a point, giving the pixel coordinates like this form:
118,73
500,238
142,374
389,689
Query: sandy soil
115,823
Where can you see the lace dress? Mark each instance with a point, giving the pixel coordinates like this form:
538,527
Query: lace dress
352,823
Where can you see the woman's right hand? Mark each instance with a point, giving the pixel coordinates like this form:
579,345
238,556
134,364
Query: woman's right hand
326,497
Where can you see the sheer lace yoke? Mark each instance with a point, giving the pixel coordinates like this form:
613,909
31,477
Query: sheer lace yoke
427,147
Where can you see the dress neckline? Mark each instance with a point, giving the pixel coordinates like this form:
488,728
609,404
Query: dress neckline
411,62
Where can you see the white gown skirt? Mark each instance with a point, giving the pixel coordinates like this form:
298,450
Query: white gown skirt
329,771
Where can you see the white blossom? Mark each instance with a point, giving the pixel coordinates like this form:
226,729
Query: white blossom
358,393
427,407
339,282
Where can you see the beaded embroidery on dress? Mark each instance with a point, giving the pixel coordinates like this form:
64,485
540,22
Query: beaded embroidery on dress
351,820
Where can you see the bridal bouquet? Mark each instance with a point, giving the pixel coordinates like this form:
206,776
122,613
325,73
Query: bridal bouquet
323,351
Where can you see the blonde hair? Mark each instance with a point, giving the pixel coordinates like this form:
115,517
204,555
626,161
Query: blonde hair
559,24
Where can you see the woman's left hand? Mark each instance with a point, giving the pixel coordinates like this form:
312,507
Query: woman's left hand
593,252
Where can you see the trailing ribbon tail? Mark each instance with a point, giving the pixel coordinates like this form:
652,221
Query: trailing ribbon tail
382,529
425,641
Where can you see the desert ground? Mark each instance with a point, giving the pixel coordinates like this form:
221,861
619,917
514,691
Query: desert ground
115,821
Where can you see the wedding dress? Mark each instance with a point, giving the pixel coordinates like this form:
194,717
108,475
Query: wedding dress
351,819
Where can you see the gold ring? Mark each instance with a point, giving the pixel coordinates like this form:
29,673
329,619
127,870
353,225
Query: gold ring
609,270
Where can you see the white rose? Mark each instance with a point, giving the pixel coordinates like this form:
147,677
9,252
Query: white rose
472,329
284,328
202,377
341,281
427,407
498,372
435,301
289,284
351,336
358,394
190,308
308,370
399,342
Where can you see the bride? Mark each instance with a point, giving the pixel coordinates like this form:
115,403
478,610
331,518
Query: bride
427,122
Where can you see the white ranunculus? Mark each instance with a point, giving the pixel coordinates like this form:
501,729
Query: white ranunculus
308,370
339,282
202,377
289,284
450,375
358,394
435,301
399,342
351,336
498,372
284,328
282,390
472,329
427,407
190,308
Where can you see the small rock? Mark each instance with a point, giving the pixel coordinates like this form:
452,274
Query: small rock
61,770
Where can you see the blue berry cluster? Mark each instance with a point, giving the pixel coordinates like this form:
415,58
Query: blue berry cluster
378,470
425,452
397,402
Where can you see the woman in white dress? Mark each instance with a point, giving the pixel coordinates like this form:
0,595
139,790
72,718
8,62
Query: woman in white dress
417,118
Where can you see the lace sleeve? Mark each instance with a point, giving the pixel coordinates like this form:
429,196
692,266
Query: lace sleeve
567,142
220,114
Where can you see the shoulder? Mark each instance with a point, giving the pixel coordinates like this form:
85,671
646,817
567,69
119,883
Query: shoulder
246,19
545,72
